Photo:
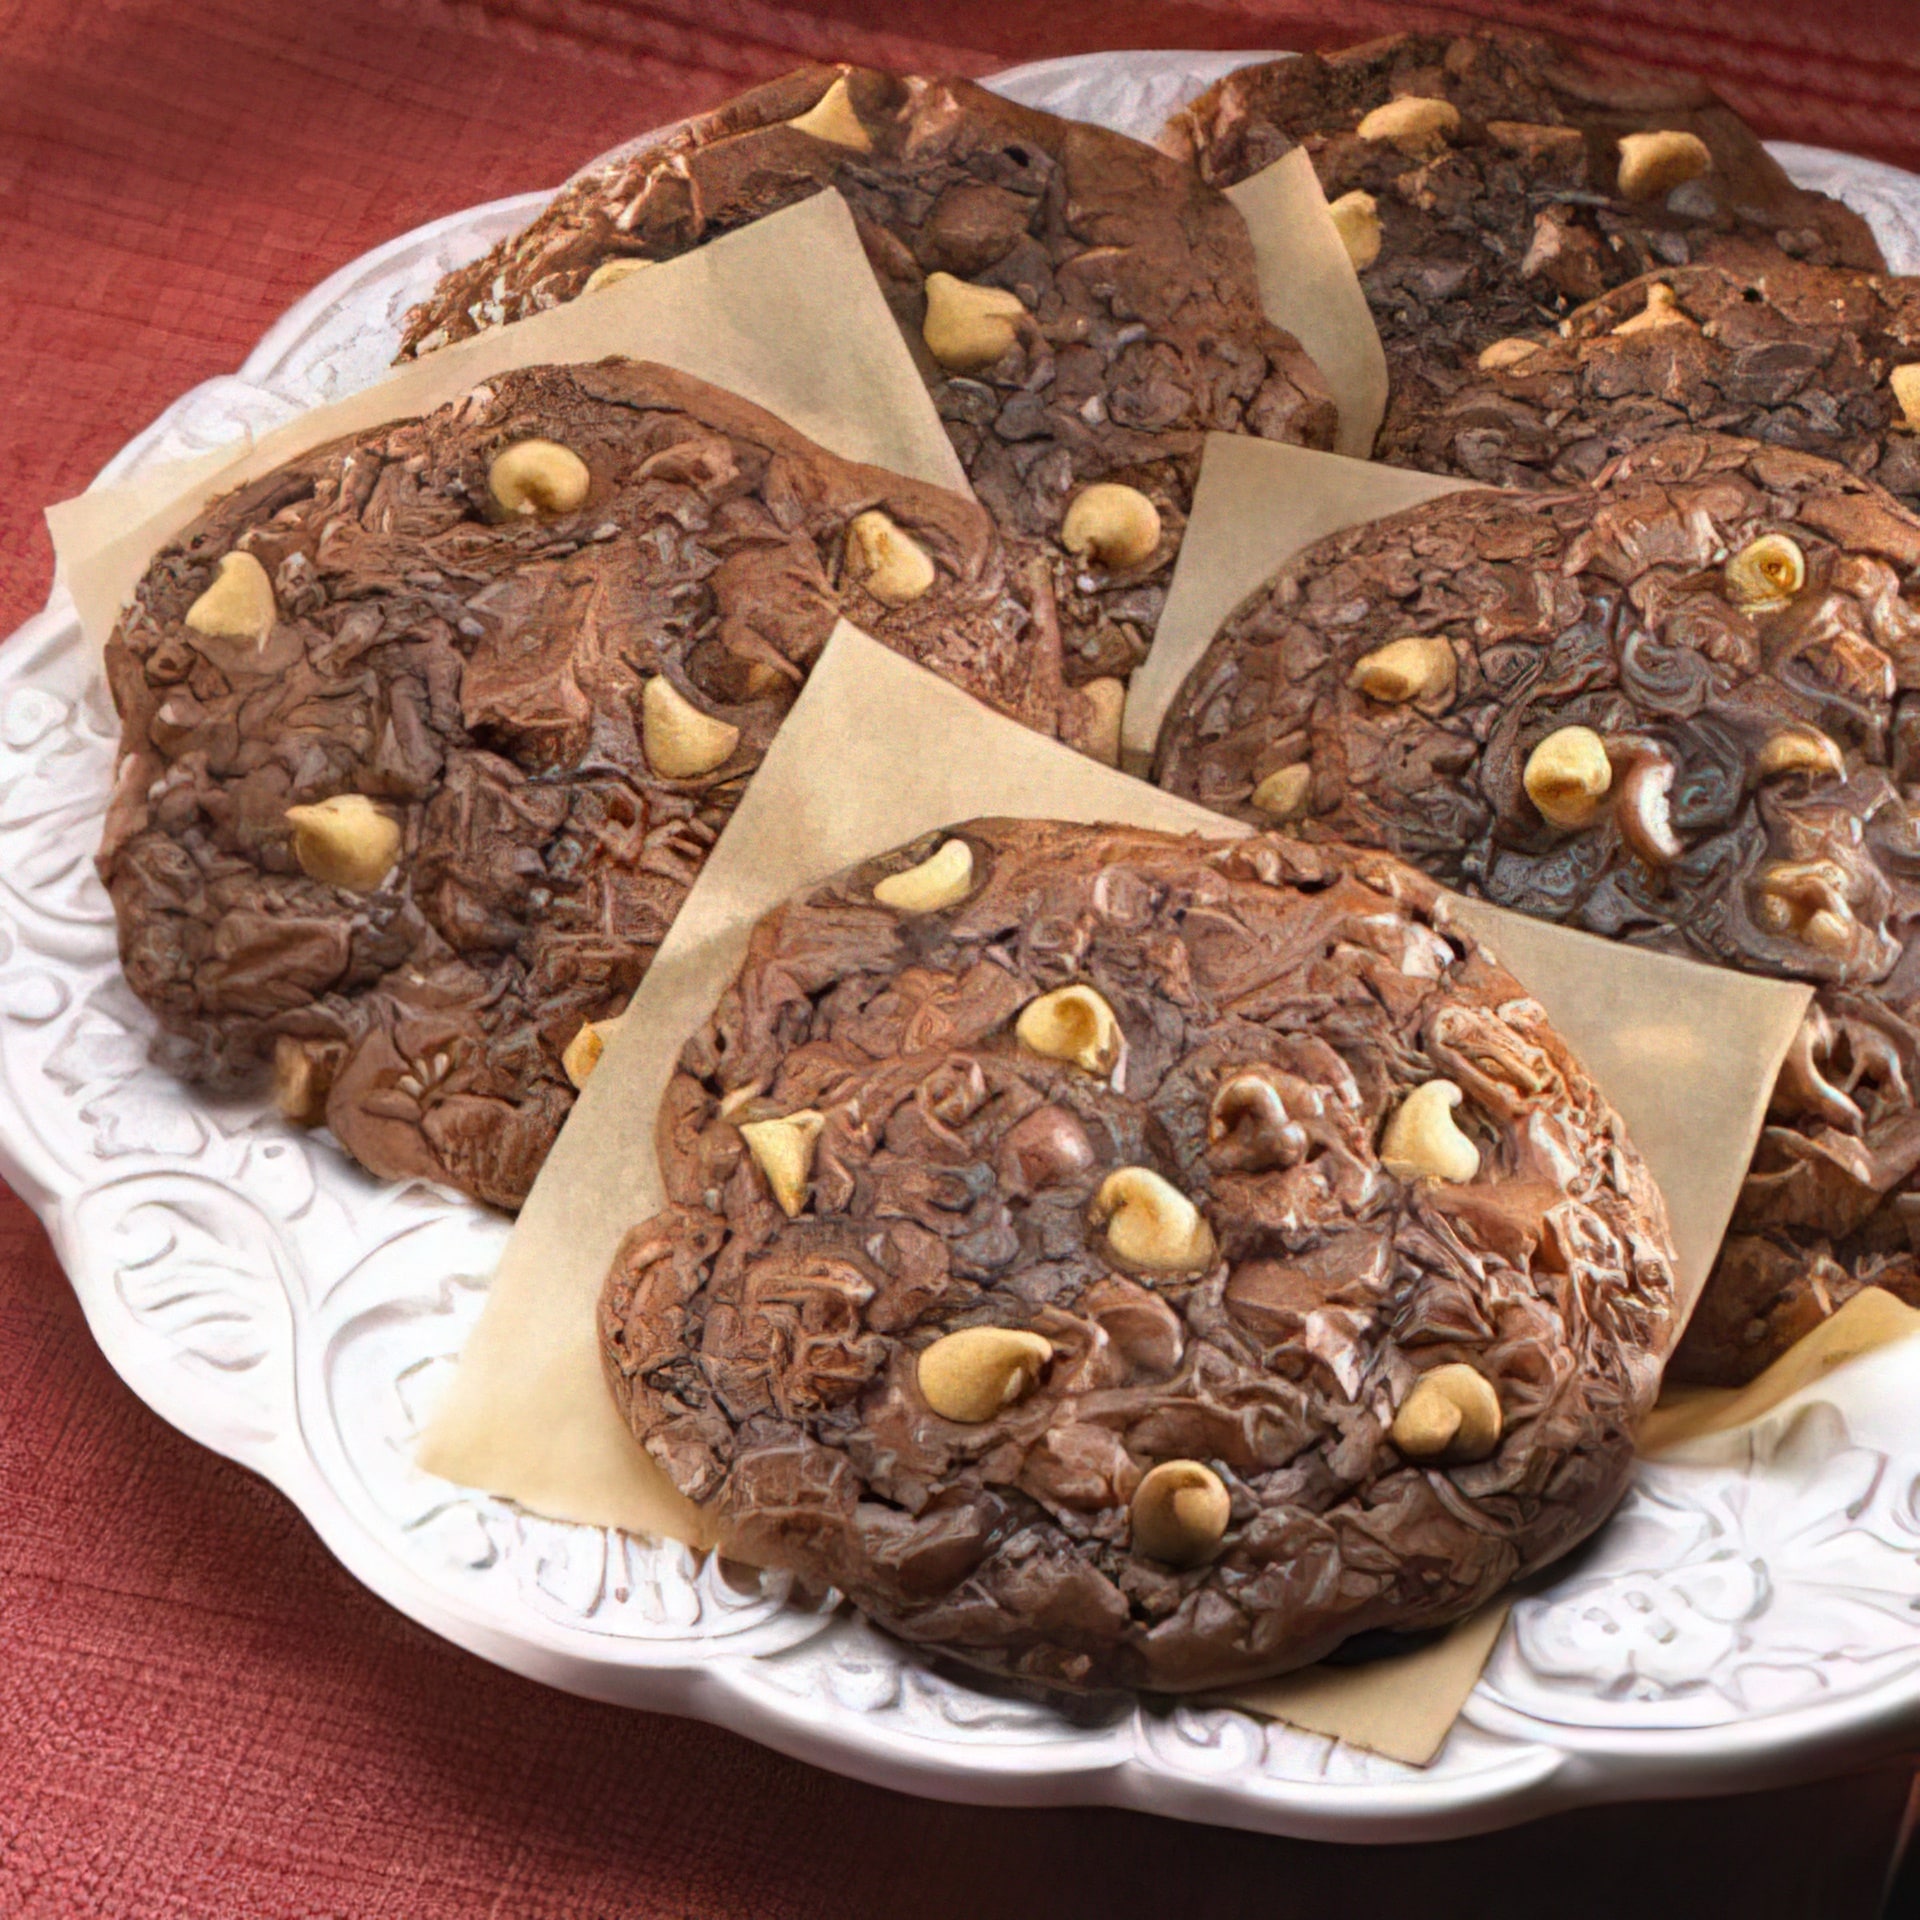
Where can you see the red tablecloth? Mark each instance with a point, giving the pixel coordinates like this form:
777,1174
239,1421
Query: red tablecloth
200,1715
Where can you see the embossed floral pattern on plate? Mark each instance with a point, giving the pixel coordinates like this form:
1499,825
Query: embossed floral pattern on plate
272,1301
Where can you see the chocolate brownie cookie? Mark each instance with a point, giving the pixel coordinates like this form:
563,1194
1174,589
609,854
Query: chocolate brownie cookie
1677,708
426,734
1117,1259
1084,310
1797,356
1498,180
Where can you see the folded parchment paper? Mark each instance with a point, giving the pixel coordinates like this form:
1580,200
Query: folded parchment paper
1257,504
785,312
1307,281
1872,1319
875,752
1308,286
1403,1706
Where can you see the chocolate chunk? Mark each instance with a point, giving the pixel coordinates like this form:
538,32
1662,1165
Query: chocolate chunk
536,724
1677,715
1098,1344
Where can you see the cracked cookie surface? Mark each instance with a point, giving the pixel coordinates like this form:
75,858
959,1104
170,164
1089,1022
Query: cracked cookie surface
1677,708
1063,1271
1116,296
1789,354
1510,208
507,739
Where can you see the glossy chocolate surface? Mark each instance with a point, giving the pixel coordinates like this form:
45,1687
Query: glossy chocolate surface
480,678
1276,1004
1756,814
1142,331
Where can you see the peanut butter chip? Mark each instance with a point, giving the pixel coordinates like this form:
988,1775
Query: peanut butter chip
942,879
1452,1417
1150,1223
978,1372
1180,1513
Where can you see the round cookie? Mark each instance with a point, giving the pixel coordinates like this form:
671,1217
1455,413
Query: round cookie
1508,178
1676,708
1794,355
1098,311
1117,1259
427,733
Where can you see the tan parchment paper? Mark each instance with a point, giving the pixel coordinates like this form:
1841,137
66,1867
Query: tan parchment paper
1308,286
1872,1319
875,752
785,312
1256,505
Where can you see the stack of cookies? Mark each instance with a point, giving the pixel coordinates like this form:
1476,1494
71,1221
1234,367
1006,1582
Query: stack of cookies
428,733
1110,1258
1664,696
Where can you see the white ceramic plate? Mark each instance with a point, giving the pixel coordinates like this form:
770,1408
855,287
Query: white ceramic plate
1744,1619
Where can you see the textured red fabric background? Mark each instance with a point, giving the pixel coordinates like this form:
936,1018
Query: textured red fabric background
200,1716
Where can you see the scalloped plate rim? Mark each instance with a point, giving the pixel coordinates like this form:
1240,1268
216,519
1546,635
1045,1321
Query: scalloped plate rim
1109,1766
